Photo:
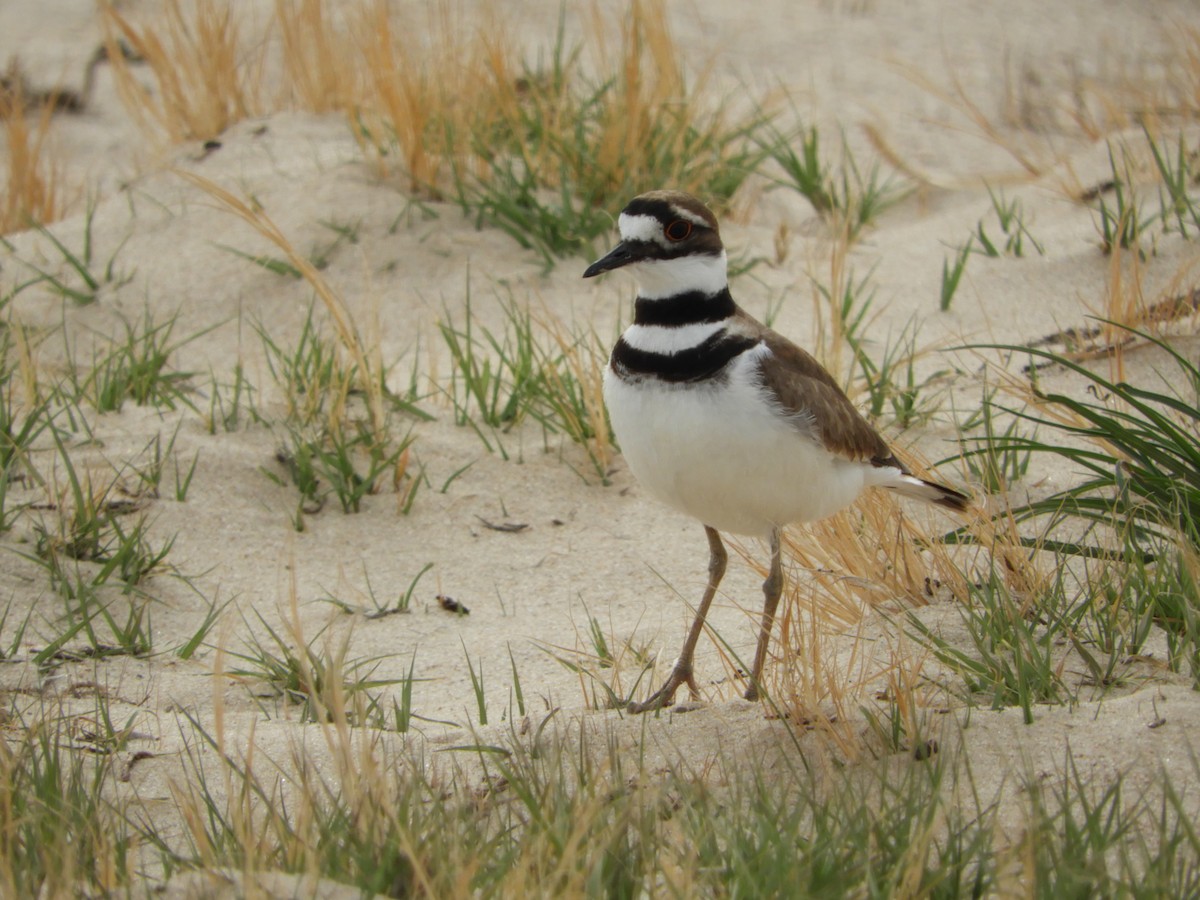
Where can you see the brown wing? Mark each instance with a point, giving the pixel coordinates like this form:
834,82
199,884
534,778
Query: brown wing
803,389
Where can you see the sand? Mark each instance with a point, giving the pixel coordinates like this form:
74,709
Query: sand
588,550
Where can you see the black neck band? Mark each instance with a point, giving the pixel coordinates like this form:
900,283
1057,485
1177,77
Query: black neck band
691,308
704,361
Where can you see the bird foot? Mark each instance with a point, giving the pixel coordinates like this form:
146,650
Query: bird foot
666,694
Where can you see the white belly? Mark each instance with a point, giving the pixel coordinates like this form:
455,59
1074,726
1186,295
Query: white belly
719,453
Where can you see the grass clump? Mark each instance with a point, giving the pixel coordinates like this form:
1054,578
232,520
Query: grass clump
205,80
78,278
329,446
316,679
952,273
59,834
849,200
1125,216
346,462
536,368
893,388
996,459
1011,661
546,151
1138,449
135,367
540,819
339,424
564,150
87,524
1010,216
1126,527
1122,219
31,191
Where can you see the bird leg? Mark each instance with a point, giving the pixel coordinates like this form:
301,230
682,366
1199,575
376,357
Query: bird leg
681,672
772,588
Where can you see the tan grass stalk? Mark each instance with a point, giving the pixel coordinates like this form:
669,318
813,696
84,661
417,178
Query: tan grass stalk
913,170
365,356
649,81
651,105
830,345
427,102
1184,71
584,359
1125,305
27,365
869,555
997,536
872,556
321,65
957,98
1159,87
33,181
818,688
206,77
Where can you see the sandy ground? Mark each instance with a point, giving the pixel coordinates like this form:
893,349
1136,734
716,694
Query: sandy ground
589,550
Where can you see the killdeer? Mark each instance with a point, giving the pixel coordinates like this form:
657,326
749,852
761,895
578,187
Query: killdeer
724,419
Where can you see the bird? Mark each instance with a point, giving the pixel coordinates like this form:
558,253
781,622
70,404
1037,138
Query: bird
723,418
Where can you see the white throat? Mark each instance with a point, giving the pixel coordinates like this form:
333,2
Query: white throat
660,278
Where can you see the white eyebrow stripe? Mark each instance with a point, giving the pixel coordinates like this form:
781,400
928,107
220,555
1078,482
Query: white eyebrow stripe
689,215
640,228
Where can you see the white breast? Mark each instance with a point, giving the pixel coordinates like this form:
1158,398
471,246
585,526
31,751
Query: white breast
718,452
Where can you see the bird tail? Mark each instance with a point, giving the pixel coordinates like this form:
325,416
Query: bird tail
929,491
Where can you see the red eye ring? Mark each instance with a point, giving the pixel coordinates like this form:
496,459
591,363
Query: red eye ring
679,230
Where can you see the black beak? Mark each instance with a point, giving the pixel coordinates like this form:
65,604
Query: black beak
621,255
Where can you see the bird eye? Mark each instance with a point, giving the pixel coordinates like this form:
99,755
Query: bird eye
678,230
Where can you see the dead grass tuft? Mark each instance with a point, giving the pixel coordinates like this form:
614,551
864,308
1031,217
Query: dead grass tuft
575,388
650,105
206,76
434,106
875,556
445,101
33,181
322,69
1151,90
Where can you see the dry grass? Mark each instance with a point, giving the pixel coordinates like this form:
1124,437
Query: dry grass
651,99
443,99
322,70
364,352
1038,108
890,555
33,181
878,557
980,122
577,386
426,103
1147,89
834,326
600,119
207,77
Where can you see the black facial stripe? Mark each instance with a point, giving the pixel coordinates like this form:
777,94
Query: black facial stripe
658,209
691,308
699,363
703,242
